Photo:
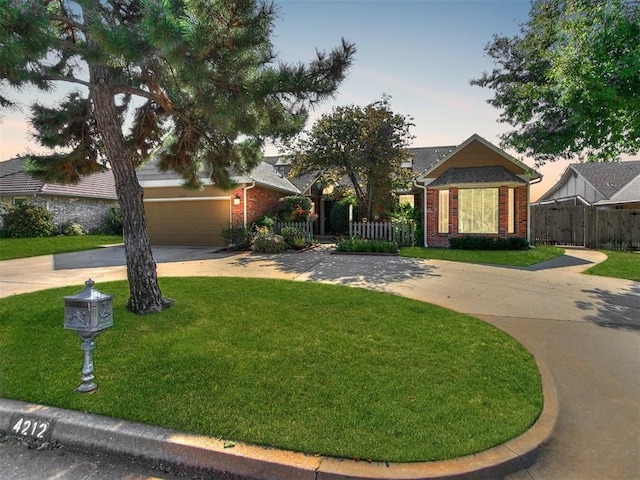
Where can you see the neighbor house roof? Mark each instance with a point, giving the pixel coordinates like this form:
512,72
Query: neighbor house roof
263,174
607,178
630,193
15,182
475,175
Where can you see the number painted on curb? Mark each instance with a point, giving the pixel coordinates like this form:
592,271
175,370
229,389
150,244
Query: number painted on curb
33,427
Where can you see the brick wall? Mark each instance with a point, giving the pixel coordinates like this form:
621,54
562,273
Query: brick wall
88,213
441,240
259,201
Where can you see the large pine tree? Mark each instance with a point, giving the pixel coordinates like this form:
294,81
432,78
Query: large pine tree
195,82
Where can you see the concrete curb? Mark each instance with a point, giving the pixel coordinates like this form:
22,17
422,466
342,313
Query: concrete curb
94,432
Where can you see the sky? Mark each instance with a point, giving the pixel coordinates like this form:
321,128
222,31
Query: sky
422,53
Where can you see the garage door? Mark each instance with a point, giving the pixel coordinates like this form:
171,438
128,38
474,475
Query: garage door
192,222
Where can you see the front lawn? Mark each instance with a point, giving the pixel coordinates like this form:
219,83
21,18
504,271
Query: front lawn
618,265
316,368
515,258
11,248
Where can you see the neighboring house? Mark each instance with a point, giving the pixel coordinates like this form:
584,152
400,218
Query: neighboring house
476,189
176,216
85,203
610,184
627,197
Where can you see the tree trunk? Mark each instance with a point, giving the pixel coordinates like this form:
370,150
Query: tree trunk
145,294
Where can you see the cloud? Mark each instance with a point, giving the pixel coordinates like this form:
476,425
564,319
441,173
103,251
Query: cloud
447,99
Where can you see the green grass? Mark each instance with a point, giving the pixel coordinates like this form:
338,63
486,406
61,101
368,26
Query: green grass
316,368
515,258
11,248
618,265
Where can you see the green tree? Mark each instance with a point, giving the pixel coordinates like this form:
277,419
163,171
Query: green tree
193,81
367,145
570,82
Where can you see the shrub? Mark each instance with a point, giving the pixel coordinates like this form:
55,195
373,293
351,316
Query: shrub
265,221
295,208
114,220
361,245
488,243
238,237
339,215
268,243
25,220
72,229
299,242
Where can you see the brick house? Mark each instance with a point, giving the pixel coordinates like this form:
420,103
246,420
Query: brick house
85,203
475,189
176,216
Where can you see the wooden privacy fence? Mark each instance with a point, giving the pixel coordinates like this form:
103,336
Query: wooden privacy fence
591,227
401,233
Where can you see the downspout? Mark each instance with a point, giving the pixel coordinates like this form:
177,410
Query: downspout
537,180
244,201
424,211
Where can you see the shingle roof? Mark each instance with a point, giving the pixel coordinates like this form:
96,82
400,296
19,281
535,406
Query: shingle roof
425,157
630,193
608,178
14,181
457,176
264,174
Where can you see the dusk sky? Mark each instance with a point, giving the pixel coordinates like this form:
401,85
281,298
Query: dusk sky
422,53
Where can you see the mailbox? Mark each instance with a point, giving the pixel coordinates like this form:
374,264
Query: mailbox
88,313
89,310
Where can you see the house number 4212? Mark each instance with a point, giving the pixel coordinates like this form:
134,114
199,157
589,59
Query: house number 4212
30,427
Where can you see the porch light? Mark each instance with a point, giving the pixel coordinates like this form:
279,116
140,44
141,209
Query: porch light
236,199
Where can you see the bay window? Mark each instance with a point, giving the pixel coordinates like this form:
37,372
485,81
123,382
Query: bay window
478,210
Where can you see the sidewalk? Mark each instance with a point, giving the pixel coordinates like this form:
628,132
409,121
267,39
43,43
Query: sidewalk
530,305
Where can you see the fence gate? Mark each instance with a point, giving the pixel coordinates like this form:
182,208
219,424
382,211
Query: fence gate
562,225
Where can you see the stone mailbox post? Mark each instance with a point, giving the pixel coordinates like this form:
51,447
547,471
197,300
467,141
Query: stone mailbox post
88,313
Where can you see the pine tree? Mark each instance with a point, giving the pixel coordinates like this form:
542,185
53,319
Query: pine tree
196,80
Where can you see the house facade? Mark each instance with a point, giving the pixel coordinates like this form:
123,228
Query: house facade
476,189
600,184
85,203
176,216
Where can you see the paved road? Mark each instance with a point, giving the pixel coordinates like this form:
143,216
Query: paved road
586,329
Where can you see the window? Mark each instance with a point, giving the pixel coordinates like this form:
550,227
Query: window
19,201
443,211
478,210
511,211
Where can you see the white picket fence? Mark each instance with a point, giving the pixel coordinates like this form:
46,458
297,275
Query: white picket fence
402,233
307,227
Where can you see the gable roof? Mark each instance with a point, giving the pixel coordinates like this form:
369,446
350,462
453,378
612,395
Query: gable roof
474,175
15,182
630,193
607,178
264,174
478,152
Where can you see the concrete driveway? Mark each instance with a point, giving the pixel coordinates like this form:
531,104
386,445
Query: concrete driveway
586,329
